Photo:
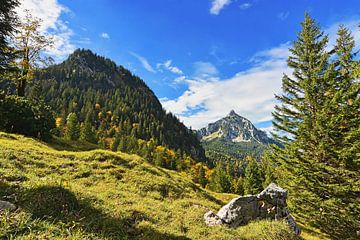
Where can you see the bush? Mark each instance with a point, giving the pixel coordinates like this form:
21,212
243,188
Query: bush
19,115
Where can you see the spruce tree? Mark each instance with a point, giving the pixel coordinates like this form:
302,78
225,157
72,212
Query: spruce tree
340,144
253,178
238,186
115,144
295,118
72,127
318,125
268,170
202,178
87,133
220,180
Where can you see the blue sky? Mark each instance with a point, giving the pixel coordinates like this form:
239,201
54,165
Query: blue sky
202,58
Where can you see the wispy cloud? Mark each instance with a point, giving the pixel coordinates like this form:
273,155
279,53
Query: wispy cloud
145,63
250,92
105,35
49,11
283,15
83,41
245,6
205,70
218,5
168,66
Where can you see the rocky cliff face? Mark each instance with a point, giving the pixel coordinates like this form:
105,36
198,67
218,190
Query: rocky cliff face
234,128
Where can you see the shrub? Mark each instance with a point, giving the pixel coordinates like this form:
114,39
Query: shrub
19,115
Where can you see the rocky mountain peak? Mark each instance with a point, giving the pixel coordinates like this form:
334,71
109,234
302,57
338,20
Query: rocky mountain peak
234,128
232,113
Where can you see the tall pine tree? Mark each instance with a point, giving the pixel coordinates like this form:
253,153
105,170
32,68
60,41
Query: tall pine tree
72,127
318,125
253,177
87,133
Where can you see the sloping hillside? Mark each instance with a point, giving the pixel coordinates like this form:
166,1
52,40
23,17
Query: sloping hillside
99,194
118,105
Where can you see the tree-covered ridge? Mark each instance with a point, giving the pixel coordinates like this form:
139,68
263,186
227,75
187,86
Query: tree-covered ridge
223,150
118,105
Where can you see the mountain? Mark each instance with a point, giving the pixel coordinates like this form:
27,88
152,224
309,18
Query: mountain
233,137
234,128
121,108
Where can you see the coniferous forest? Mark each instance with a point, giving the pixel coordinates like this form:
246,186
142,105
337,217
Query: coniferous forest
95,125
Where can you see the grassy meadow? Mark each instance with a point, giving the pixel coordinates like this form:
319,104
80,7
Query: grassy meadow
67,191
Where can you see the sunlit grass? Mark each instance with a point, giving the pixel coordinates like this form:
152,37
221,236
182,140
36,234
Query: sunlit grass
99,194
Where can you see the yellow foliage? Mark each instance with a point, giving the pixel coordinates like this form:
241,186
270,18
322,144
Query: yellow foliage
208,172
58,121
160,148
171,153
141,142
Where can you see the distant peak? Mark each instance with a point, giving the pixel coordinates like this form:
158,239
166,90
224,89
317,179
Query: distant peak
232,113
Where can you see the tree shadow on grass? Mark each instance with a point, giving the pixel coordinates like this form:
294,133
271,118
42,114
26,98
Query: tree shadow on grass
67,145
204,194
58,205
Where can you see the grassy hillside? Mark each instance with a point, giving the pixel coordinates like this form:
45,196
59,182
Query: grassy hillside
98,194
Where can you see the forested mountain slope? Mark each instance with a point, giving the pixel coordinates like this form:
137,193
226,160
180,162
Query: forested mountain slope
118,105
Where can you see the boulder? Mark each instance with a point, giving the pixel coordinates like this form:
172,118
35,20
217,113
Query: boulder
239,211
269,204
7,206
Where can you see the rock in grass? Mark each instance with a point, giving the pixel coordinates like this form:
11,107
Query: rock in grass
239,211
7,206
269,204
211,219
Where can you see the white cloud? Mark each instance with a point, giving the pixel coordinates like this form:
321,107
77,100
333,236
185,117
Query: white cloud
245,6
205,70
250,93
283,15
83,41
144,62
105,35
49,11
168,66
218,5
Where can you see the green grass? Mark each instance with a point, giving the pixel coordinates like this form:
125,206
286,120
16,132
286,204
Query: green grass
97,194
